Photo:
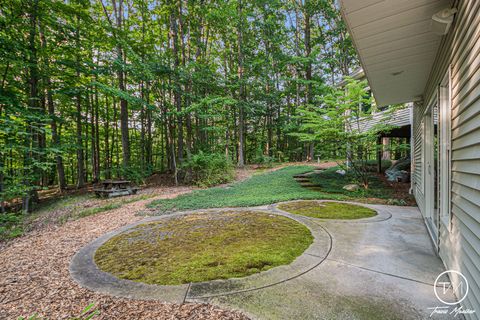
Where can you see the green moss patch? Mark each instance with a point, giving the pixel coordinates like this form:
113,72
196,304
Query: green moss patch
204,246
327,210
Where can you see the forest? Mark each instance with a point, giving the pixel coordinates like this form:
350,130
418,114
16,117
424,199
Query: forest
99,89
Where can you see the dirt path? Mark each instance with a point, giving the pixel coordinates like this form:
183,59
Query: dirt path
34,273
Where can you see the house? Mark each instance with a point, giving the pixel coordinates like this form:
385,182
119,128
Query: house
398,119
427,52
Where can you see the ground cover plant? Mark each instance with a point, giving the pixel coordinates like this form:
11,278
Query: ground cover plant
267,188
331,182
280,186
204,246
327,210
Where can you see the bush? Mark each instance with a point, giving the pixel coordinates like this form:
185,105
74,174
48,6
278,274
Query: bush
205,170
262,159
265,161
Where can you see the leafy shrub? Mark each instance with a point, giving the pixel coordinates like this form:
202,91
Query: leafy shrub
11,225
265,161
206,170
261,158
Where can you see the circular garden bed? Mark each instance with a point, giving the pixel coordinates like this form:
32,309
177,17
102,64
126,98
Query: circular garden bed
327,209
203,247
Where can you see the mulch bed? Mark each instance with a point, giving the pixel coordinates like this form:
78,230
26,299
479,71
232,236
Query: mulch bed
34,276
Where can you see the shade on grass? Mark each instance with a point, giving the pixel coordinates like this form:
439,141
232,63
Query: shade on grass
267,188
327,210
203,246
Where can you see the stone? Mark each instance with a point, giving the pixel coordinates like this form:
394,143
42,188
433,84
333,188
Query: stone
340,172
351,187
399,172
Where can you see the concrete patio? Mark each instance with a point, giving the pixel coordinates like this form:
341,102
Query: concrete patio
376,268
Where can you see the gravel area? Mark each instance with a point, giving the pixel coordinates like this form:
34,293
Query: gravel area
34,275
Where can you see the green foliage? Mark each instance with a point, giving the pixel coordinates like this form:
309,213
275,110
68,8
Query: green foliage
262,159
131,173
372,165
258,190
332,182
208,169
11,225
277,186
337,125
61,97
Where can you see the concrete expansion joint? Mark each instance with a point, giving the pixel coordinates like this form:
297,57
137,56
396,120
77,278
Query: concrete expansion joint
380,272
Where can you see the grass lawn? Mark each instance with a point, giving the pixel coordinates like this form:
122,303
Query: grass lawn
279,186
327,210
203,247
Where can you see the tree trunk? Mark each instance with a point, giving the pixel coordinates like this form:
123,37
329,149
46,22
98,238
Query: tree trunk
308,72
96,176
53,122
78,103
118,10
241,94
176,93
108,161
31,140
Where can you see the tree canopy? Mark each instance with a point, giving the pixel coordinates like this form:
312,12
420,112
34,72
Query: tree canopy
98,89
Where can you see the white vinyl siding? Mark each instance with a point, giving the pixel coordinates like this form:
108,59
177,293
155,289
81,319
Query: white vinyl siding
459,50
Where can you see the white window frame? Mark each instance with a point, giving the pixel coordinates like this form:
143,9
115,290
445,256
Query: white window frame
445,160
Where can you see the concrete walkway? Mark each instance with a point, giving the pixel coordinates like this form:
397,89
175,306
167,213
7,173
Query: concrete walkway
377,268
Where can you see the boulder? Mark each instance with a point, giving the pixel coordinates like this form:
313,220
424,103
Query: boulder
399,171
351,187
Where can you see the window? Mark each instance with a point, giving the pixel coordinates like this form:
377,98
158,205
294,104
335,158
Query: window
444,150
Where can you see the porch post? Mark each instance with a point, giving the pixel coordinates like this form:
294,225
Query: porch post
379,153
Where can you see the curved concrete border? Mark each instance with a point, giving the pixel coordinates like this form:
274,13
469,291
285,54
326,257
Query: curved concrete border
86,273
382,213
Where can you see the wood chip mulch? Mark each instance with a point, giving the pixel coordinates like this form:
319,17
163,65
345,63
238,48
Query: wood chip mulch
34,275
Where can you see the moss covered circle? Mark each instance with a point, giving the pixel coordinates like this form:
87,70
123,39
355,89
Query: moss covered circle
327,210
203,247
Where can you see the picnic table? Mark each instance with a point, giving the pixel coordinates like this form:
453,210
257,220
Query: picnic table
115,188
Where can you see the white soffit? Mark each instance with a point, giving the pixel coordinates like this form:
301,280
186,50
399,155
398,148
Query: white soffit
395,44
